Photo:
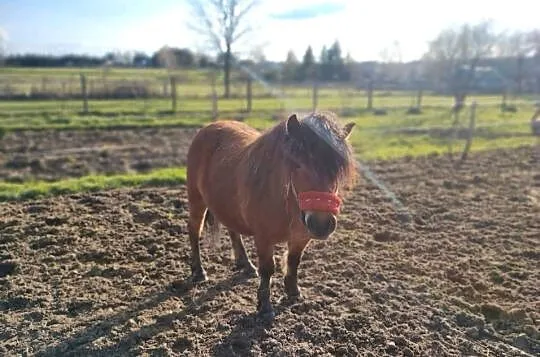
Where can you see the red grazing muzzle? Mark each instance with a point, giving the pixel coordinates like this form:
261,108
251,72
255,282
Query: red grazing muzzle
319,201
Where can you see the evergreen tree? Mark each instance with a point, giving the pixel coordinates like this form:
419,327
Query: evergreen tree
308,65
291,67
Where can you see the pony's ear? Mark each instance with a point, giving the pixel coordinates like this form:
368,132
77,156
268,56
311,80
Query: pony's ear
347,130
293,126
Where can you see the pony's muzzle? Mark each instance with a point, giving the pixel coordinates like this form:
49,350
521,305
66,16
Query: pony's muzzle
320,224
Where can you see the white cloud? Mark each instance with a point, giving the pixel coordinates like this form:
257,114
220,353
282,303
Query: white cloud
3,35
166,28
365,28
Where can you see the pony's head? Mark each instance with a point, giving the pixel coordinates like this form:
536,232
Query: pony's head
321,166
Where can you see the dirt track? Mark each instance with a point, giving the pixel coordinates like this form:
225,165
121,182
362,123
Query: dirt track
104,274
53,155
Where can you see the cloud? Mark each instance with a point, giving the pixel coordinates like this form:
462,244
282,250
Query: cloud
309,11
3,35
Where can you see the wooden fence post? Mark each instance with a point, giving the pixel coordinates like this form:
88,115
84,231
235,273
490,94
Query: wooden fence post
215,113
504,100
370,94
249,94
470,134
419,99
315,95
173,93
84,92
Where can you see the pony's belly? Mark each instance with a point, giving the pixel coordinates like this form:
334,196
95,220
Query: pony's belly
233,222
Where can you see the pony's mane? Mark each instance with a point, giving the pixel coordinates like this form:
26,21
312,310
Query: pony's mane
321,149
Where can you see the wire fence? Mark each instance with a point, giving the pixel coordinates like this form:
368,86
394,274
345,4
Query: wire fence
202,93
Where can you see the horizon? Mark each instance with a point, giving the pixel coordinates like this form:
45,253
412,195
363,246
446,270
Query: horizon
63,27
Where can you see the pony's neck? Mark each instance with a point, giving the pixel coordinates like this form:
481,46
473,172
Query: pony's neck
268,173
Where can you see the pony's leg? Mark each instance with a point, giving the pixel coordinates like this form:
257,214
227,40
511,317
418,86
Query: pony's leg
241,259
265,252
295,250
197,210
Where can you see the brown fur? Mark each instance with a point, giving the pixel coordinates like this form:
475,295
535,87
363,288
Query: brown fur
243,178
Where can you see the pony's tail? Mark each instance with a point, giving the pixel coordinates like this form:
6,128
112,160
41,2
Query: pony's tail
213,228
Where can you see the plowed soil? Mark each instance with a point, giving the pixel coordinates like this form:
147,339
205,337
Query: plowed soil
51,155
106,274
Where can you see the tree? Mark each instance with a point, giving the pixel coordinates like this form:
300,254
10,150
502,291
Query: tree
223,23
290,67
390,69
533,40
454,55
324,65
307,68
257,55
337,64
309,59
141,59
515,46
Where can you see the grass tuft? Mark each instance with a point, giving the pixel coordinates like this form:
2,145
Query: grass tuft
40,189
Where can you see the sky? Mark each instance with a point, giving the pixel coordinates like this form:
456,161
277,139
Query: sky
364,29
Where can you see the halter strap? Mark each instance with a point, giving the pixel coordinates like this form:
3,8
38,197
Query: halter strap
317,201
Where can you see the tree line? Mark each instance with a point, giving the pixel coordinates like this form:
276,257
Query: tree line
330,65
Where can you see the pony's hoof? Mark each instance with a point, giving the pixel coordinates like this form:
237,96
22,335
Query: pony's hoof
266,314
246,269
291,299
199,277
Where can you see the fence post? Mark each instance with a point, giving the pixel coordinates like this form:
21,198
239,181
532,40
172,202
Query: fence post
503,100
84,92
419,99
315,95
215,113
173,93
470,134
249,94
370,94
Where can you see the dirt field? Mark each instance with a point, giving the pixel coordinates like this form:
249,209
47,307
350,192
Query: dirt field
105,274
52,155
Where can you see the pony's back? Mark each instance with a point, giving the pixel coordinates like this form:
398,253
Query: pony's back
215,155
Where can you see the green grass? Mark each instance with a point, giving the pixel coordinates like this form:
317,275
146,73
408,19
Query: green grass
395,146
40,189
80,122
29,115
381,138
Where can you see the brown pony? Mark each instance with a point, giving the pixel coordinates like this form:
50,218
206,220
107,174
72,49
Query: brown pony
278,186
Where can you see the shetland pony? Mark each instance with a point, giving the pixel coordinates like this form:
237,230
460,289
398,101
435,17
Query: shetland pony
279,186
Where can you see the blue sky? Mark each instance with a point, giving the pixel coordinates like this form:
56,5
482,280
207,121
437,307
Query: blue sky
363,28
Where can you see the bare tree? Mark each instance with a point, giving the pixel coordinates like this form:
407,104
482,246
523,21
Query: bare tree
515,46
533,40
391,64
454,55
223,23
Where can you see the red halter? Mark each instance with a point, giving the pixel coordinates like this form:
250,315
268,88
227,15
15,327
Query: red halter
319,201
